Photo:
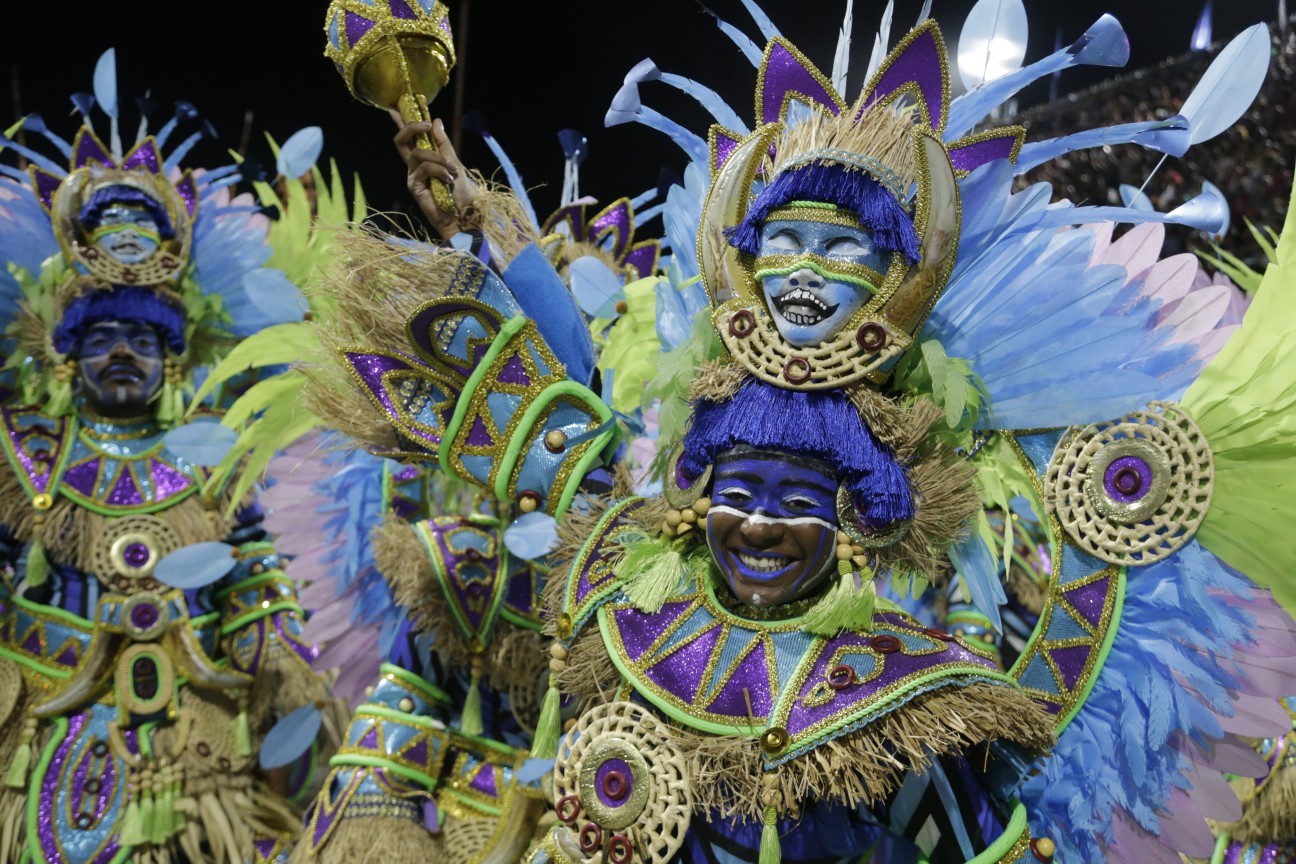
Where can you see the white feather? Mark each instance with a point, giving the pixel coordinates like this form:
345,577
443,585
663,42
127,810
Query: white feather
841,61
882,39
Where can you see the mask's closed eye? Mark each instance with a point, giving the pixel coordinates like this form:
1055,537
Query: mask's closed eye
785,241
848,247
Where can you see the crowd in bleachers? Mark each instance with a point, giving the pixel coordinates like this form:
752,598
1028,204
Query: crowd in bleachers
1251,163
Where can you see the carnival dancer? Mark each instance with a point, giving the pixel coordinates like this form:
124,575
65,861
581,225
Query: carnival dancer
149,637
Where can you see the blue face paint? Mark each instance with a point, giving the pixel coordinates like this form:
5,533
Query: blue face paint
127,233
816,275
772,526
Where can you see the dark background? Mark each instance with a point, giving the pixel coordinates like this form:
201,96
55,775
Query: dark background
531,68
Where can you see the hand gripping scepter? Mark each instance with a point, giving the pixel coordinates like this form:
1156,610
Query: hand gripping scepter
394,54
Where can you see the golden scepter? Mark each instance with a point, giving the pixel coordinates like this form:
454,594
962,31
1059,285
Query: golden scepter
394,54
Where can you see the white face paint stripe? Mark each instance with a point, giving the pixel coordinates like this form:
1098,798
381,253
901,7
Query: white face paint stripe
761,519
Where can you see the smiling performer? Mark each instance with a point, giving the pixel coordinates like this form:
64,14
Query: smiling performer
726,685
148,636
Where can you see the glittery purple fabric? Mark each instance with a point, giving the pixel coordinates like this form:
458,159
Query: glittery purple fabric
106,779
640,630
783,74
1088,600
478,436
1127,479
167,481
189,192
1071,662
919,64
973,156
681,672
610,793
597,571
750,680
264,847
470,584
894,668
82,477
290,632
514,372
38,472
484,781
46,186
642,259
357,27
1255,854
371,368
88,150
1279,748
144,616
370,739
521,593
31,643
618,221
406,474
67,657
144,156
125,493
401,9
573,216
136,555
724,149
417,754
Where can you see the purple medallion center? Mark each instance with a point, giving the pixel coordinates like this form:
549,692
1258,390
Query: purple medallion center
1127,479
613,782
144,616
136,555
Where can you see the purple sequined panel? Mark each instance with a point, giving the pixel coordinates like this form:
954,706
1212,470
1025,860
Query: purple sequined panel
484,781
401,9
290,632
167,481
144,156
642,259
81,478
87,150
783,73
919,64
639,630
521,592
357,27
46,186
189,193
681,672
514,372
597,570
724,149
1089,600
371,368
125,493
895,667
43,450
973,156
49,828
750,681
617,220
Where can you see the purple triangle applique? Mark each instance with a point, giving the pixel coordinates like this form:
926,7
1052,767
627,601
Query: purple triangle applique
356,27
1070,662
31,643
125,493
144,156
81,478
88,149
46,185
680,673
417,754
484,781
514,372
1088,600
370,739
401,9
68,656
916,63
751,676
969,157
784,72
167,481
640,630
478,436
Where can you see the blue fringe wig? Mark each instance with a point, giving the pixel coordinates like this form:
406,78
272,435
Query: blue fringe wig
135,303
821,424
105,197
853,190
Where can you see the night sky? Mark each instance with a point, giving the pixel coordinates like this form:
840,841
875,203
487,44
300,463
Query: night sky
530,68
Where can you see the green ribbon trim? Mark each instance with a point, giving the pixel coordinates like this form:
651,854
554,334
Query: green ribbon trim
35,665
473,803
358,760
274,608
256,581
383,712
409,679
995,852
502,339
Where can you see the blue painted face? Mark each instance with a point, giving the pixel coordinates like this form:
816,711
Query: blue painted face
121,366
127,233
772,526
816,275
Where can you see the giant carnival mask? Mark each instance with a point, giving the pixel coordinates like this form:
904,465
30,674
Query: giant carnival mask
830,231
120,224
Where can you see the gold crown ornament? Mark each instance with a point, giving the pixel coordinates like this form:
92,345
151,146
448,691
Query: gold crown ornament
893,133
394,54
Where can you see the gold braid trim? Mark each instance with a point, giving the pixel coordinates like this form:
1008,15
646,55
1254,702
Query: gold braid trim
865,766
69,531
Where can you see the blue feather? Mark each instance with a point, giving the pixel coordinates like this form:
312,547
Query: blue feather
767,28
105,82
514,178
708,99
299,153
749,48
